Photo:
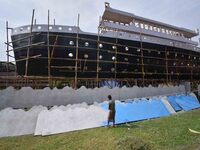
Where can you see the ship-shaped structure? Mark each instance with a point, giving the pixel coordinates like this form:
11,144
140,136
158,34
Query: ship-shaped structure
127,49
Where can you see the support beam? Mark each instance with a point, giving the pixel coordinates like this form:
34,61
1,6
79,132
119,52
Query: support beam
29,43
49,59
76,63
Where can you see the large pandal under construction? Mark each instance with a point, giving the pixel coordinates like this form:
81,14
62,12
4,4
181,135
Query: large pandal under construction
127,50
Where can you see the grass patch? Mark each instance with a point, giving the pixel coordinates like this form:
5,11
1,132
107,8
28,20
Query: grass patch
169,133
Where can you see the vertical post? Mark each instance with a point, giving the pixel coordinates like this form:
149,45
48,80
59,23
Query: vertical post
7,51
29,44
35,22
76,63
166,65
97,75
142,61
116,40
54,22
49,65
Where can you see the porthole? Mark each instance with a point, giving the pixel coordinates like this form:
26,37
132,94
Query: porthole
70,55
100,56
71,42
138,50
85,56
125,59
100,45
39,27
70,29
50,28
126,48
114,47
86,44
59,28
113,58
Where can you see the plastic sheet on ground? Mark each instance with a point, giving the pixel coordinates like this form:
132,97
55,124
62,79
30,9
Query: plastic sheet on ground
172,101
187,102
138,110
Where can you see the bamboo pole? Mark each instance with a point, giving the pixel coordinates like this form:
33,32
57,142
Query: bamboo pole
97,76
48,48
29,43
116,41
142,61
76,63
166,65
7,64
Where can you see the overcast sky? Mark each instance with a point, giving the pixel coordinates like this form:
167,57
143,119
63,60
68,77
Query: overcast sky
182,13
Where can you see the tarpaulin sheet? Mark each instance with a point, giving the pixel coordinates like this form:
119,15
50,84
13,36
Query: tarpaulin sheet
172,101
187,102
139,110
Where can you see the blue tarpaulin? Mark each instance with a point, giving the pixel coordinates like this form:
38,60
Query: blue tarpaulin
184,102
172,101
188,102
140,110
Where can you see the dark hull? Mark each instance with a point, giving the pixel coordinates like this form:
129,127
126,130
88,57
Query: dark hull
158,62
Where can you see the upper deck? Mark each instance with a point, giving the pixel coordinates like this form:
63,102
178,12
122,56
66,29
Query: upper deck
121,21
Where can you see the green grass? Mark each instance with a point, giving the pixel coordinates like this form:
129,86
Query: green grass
169,133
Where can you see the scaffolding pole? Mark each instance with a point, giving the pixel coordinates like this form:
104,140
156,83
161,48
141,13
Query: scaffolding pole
29,43
49,59
116,41
76,63
166,65
142,61
7,51
97,75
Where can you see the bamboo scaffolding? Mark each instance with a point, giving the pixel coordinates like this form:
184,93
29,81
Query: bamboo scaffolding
117,51
25,37
116,41
29,42
97,75
48,48
142,61
77,44
7,40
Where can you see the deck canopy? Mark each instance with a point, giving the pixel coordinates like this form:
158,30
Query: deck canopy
115,15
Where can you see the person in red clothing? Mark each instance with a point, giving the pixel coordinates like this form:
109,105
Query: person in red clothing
111,107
